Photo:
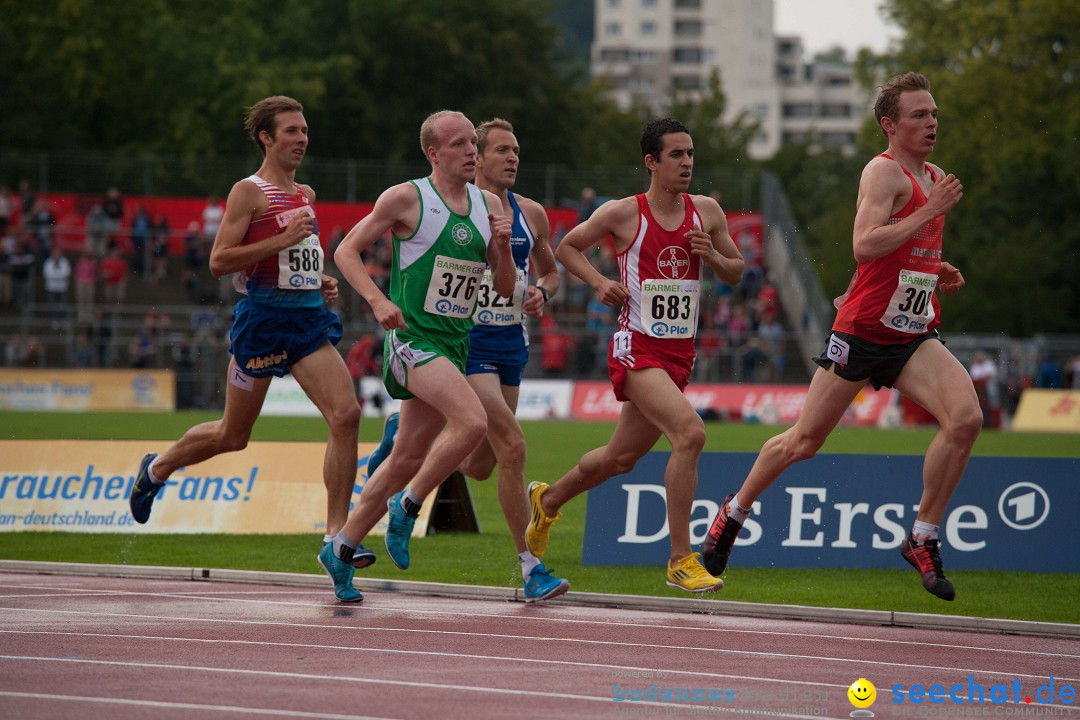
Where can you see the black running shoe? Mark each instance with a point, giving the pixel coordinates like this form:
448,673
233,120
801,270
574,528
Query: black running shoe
926,558
143,491
721,537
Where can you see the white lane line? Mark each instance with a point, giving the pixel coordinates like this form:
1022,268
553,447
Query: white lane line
403,683
262,712
658,672
541,638
724,629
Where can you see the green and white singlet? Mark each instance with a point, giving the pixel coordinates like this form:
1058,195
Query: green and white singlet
434,280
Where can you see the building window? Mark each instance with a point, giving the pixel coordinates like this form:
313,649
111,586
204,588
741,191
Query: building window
687,55
648,28
612,29
613,55
687,82
648,3
761,137
793,138
835,110
614,3
837,139
761,110
687,4
796,110
688,28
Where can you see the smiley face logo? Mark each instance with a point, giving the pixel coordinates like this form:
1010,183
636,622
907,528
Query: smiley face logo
862,693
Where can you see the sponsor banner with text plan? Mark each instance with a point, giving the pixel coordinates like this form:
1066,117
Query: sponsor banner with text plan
84,485
850,511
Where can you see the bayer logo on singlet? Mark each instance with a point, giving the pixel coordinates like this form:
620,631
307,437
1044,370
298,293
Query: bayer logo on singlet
673,262
461,233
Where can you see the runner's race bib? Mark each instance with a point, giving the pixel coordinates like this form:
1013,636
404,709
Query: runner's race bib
300,266
493,309
669,307
620,343
910,309
452,289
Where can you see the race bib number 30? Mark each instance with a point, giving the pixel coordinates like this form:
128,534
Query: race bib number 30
453,287
910,309
669,307
493,309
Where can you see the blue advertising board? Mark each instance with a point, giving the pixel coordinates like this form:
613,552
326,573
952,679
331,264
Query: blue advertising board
850,511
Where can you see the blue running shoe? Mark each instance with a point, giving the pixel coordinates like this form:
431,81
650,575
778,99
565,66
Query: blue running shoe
341,573
386,445
362,557
143,491
542,585
398,531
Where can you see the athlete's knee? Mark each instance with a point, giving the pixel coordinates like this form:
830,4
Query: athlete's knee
621,462
232,440
344,418
796,447
689,436
508,444
964,425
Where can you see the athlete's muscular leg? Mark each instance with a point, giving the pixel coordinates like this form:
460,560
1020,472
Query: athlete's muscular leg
936,380
244,397
325,379
661,402
508,441
826,401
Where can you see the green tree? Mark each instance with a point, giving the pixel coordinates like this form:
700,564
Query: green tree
1005,75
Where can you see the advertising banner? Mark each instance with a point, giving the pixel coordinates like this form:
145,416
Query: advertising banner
850,511
81,390
83,486
771,404
1048,411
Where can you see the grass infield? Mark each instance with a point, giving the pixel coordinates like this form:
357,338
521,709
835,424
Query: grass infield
488,558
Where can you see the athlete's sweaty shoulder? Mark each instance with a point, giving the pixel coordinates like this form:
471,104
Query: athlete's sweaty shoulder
535,214
712,215
883,182
246,199
306,189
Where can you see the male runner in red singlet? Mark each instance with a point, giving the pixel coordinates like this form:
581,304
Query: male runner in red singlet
661,238
886,331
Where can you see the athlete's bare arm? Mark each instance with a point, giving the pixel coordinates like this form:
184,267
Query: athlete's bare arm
543,259
246,202
499,255
885,189
396,210
713,243
618,218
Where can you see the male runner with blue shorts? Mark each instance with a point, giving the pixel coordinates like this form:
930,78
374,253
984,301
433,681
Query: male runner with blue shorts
270,237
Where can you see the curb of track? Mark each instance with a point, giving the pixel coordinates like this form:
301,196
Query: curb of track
586,599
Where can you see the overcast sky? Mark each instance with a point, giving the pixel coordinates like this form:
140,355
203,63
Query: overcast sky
825,23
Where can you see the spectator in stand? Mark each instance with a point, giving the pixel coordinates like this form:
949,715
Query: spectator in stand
767,301
8,245
22,266
57,273
361,362
86,276
97,231
15,351
142,349
771,333
755,272
101,329
211,218
27,198
555,346
35,356
193,258
983,373
159,247
82,357
588,204
184,356
141,226
711,344
114,273
7,206
1049,374
41,226
1072,373
114,213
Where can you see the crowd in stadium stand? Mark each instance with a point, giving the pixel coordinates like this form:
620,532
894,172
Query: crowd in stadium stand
83,281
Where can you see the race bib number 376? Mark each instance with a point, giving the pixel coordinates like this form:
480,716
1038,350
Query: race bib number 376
453,287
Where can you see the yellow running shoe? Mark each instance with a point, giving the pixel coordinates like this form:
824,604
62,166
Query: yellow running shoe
536,536
690,575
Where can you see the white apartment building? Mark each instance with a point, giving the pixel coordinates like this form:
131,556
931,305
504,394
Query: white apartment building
646,49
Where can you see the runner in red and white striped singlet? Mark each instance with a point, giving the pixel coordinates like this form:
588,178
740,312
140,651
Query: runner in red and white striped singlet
662,237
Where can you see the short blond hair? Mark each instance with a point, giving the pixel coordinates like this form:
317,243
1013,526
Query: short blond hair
487,126
429,135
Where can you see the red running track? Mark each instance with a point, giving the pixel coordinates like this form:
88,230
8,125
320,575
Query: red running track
94,647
